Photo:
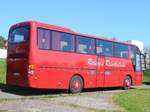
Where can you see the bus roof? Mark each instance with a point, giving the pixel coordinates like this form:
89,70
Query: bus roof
64,29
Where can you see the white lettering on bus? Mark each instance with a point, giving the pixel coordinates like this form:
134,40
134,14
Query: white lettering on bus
92,62
117,63
110,63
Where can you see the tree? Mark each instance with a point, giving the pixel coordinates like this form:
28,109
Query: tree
147,56
2,42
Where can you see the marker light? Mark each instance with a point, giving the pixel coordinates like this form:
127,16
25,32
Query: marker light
31,66
31,69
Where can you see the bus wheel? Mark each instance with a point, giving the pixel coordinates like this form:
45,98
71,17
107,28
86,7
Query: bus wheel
76,84
127,83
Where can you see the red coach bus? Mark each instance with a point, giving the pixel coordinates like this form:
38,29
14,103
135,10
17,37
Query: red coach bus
48,56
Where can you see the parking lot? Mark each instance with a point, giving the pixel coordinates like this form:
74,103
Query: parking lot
34,100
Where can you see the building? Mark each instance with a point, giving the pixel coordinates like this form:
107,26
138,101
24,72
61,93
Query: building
139,44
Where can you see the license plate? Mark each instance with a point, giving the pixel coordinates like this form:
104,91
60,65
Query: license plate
16,74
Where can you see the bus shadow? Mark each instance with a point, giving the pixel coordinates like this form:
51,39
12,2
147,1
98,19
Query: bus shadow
108,89
22,91
37,92
146,83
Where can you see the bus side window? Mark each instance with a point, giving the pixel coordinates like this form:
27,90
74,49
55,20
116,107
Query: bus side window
85,45
44,38
104,48
62,41
121,50
67,42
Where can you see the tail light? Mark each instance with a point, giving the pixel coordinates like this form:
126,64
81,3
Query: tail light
31,69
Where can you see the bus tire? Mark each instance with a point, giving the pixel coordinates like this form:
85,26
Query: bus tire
127,83
76,84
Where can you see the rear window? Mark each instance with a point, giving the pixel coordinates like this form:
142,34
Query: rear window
18,35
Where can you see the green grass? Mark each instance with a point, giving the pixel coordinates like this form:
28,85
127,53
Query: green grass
134,100
2,71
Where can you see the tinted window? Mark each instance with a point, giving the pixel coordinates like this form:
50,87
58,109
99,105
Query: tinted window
44,38
134,51
104,48
135,56
20,34
121,50
85,45
62,41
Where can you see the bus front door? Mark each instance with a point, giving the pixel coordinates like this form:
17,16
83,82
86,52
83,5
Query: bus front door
107,76
100,71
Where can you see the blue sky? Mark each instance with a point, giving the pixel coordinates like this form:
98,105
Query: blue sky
123,19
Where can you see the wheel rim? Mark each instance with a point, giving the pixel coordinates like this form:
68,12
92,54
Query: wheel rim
76,84
127,83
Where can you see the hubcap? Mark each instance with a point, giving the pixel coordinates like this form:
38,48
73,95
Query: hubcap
127,83
76,84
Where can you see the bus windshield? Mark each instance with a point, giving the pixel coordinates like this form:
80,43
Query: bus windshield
18,35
